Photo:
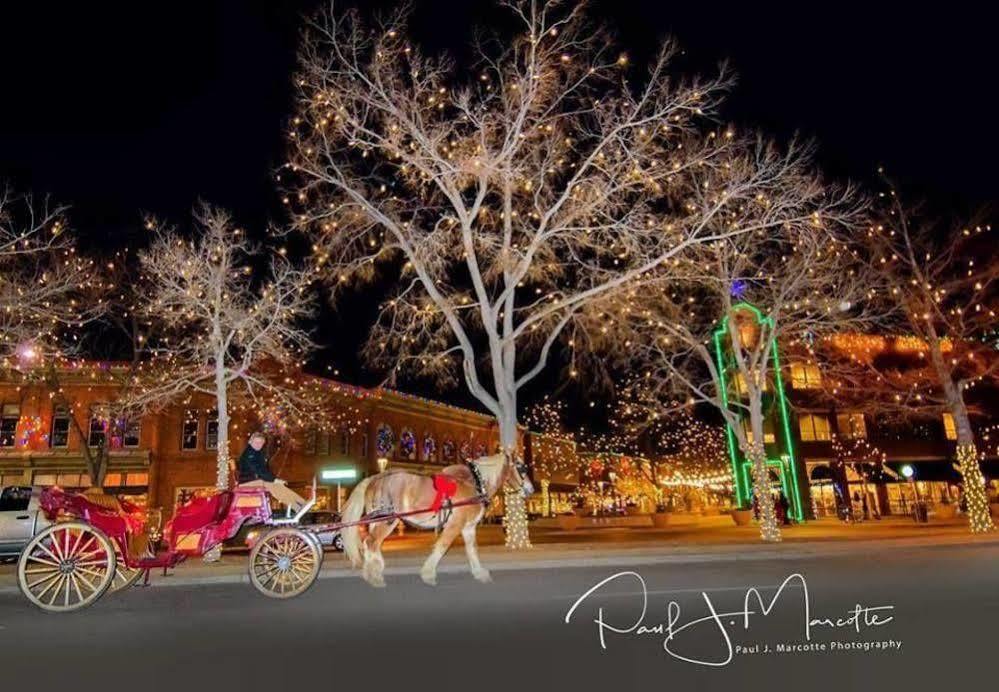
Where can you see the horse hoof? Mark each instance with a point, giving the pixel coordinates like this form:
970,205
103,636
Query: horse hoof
377,582
429,579
483,576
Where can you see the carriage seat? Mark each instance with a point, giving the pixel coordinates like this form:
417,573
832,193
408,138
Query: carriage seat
96,497
202,511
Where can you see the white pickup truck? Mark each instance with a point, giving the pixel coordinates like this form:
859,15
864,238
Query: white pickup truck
20,518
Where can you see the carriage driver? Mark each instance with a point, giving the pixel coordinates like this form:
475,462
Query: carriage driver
253,471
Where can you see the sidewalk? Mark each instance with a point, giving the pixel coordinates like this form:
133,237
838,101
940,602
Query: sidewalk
709,539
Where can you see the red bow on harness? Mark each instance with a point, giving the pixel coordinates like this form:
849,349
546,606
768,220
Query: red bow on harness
444,487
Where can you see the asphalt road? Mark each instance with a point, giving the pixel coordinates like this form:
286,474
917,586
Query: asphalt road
512,634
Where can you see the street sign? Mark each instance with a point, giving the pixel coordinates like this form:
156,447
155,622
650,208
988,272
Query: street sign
339,474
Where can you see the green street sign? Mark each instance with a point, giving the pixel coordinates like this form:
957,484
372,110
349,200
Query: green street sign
339,474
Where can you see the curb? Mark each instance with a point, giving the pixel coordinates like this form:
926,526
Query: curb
794,552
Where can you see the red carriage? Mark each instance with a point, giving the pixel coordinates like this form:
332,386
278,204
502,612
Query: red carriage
99,543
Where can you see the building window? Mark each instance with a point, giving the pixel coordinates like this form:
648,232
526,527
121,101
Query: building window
323,443
310,442
851,425
429,447
805,376
950,430
129,479
8,424
60,427
384,440
130,438
345,443
189,431
407,444
813,427
63,480
739,382
768,431
97,433
212,430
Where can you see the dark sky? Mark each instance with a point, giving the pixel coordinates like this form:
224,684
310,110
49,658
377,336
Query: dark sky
119,109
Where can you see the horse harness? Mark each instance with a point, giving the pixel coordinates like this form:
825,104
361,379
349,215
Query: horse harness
445,488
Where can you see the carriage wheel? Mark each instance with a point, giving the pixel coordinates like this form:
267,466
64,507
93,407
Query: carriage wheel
125,576
285,562
66,567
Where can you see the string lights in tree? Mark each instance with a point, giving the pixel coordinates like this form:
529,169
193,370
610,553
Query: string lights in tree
557,179
214,331
944,296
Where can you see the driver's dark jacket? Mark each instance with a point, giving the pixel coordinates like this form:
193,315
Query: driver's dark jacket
253,466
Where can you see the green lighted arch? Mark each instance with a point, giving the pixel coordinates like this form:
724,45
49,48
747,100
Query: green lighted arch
741,468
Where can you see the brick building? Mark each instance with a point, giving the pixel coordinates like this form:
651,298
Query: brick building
165,457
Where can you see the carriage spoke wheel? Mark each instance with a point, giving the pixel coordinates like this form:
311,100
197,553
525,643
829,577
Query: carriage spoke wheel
125,576
66,567
285,562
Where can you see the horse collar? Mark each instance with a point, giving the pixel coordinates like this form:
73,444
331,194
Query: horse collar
480,486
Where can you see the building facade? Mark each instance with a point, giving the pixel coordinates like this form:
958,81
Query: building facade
47,431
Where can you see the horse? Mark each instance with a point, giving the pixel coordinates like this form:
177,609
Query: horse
398,491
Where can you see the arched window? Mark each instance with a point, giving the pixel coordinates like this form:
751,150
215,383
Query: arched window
407,444
384,440
429,447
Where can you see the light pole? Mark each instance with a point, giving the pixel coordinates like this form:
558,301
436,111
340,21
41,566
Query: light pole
910,474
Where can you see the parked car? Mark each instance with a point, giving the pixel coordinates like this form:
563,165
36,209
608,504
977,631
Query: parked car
331,539
20,519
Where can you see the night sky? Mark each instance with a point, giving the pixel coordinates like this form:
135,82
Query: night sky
118,110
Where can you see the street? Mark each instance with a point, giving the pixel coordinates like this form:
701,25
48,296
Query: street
511,634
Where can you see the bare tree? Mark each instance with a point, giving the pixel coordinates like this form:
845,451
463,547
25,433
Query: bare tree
509,198
218,326
794,283
944,280
42,280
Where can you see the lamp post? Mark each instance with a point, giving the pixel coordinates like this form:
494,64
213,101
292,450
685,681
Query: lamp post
910,474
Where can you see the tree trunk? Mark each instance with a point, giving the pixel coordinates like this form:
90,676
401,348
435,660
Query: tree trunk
757,454
515,509
976,499
222,411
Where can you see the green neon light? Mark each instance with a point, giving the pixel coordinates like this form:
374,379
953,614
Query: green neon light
743,484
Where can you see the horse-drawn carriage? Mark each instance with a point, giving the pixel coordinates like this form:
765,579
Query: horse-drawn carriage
99,543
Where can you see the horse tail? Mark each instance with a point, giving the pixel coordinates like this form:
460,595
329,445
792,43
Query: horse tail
352,512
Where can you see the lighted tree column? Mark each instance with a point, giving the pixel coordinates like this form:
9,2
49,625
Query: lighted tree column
515,520
769,530
979,517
